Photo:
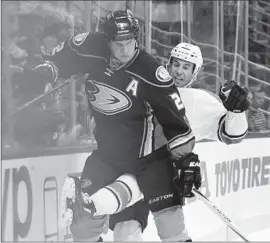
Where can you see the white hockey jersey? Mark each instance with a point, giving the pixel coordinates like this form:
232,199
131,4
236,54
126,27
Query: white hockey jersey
209,119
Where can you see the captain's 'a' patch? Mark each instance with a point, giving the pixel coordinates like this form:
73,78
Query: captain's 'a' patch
79,39
162,74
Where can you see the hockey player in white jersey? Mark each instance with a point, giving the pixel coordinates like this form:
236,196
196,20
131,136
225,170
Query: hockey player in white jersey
215,118
220,118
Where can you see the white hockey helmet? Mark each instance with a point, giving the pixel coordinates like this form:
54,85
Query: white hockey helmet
190,53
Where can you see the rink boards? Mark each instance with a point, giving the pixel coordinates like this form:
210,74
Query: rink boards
236,178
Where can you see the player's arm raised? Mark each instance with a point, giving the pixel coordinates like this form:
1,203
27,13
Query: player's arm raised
233,124
213,120
74,56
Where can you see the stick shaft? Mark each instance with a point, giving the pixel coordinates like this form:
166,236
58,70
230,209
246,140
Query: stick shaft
219,213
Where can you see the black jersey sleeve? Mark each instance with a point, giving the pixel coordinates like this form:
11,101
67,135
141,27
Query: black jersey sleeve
79,54
170,113
163,97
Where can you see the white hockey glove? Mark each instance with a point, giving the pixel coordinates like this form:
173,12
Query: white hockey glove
234,97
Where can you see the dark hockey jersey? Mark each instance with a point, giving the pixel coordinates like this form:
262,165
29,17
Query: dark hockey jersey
124,100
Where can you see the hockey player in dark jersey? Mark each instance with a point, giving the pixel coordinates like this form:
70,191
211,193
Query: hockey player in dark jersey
220,119
210,118
125,88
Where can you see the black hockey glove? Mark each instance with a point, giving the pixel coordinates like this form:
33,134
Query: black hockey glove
234,97
188,174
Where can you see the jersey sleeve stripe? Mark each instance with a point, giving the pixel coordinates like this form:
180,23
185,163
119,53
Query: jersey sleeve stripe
55,71
148,133
185,147
220,124
51,66
224,137
82,54
225,134
181,140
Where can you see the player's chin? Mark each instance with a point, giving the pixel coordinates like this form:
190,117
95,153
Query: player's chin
124,59
179,83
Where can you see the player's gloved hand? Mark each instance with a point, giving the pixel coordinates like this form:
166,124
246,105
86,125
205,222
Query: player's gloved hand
234,97
47,70
188,174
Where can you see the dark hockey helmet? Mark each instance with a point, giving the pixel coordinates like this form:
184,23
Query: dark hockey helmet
121,25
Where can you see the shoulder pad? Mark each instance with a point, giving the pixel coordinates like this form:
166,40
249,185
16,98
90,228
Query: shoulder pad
162,74
205,97
150,71
79,42
89,44
210,95
79,39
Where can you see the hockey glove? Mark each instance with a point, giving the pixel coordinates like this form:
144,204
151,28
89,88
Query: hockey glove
47,70
188,174
234,97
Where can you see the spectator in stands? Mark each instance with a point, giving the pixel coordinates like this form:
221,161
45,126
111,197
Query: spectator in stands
154,54
257,118
16,52
94,20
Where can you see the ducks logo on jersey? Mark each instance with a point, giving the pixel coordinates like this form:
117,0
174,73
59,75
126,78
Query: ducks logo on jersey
162,74
79,39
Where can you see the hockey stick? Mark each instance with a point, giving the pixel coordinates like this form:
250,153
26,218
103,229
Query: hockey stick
26,105
219,213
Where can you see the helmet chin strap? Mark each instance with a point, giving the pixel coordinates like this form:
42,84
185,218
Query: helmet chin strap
191,81
136,45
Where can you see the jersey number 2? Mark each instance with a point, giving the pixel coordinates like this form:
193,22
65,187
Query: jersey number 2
177,101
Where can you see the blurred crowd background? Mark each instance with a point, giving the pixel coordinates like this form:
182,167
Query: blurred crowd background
234,37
